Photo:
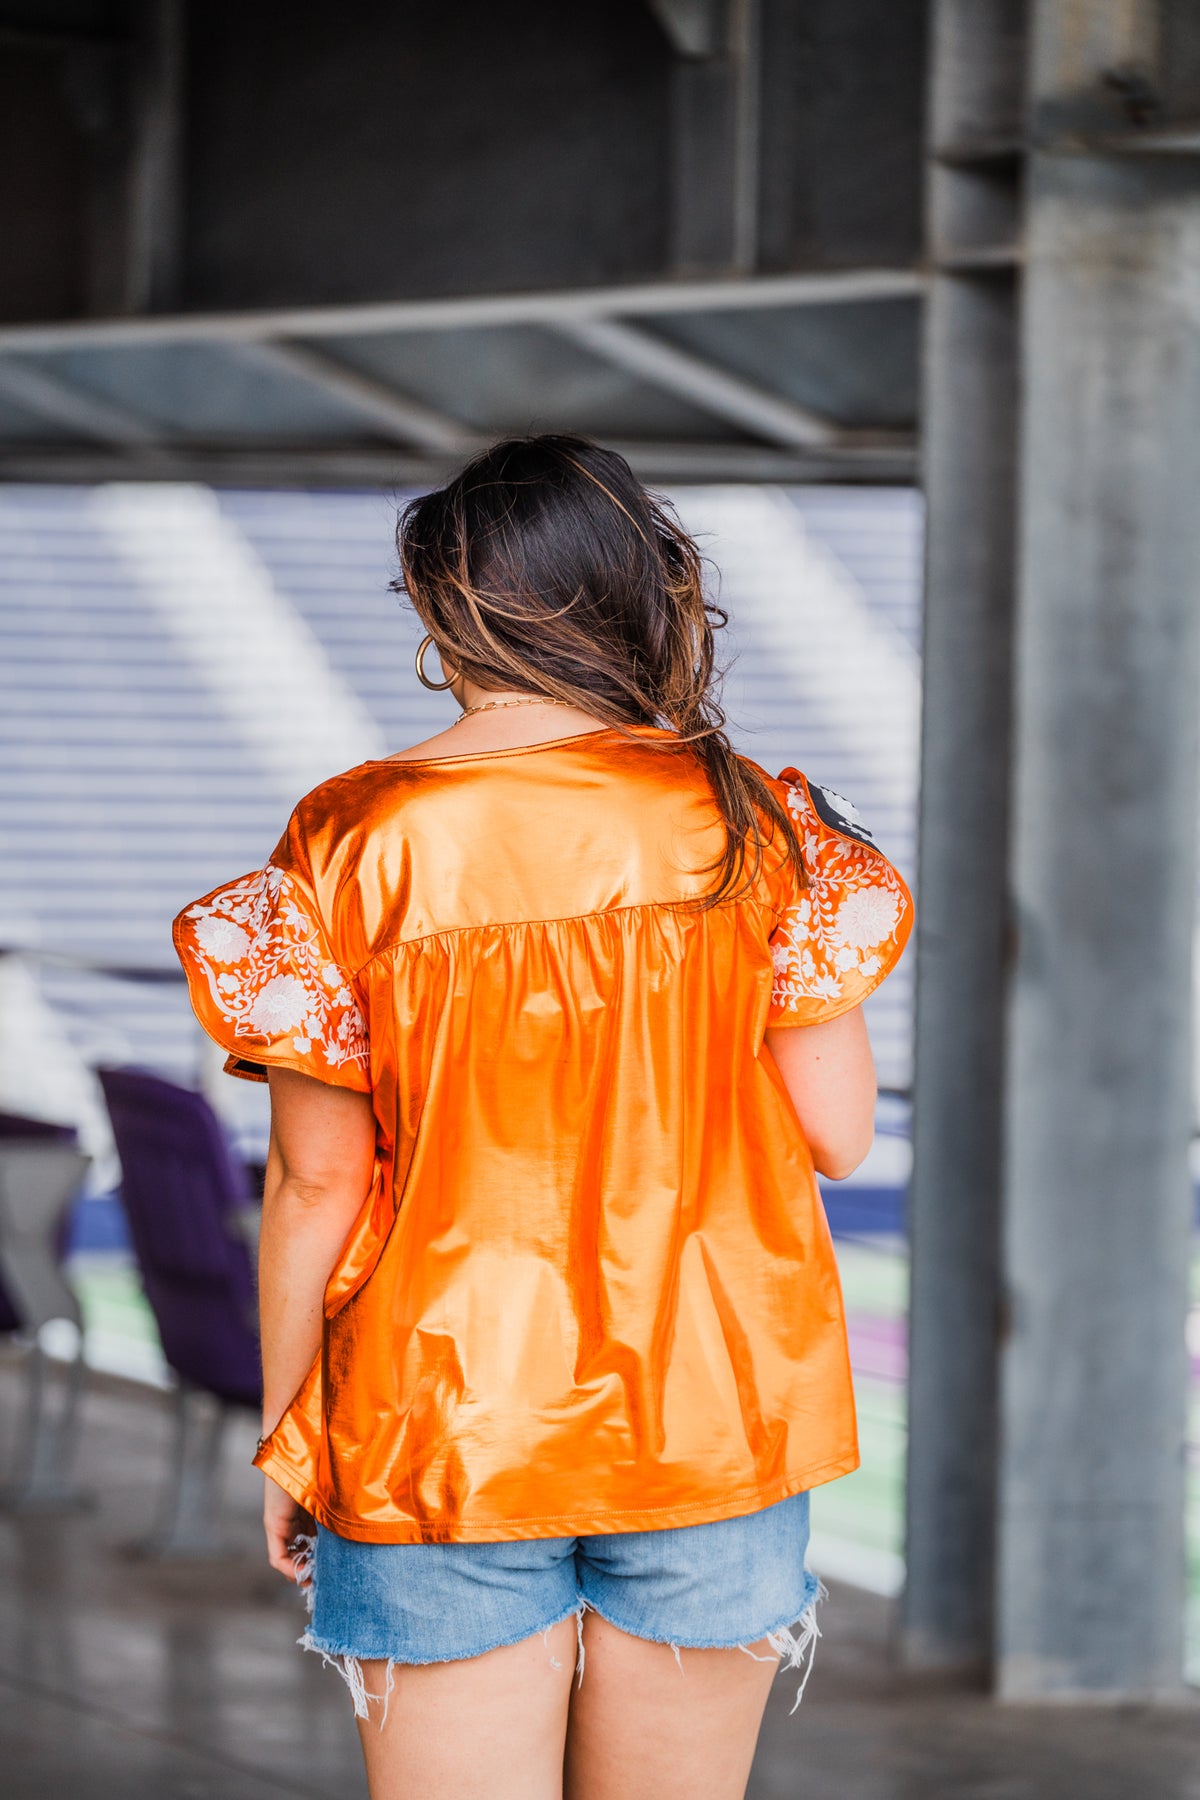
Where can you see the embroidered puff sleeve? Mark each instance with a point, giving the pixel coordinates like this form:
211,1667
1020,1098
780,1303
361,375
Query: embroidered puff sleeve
835,940
265,980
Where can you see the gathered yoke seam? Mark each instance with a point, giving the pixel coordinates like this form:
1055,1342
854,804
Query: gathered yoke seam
599,912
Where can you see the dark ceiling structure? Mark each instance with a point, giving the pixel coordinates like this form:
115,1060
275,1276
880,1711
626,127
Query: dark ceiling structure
344,244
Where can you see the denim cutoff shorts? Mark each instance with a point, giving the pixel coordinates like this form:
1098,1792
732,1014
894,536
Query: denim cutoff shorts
726,1584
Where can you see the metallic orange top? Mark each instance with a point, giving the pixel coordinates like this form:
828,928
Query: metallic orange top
592,1288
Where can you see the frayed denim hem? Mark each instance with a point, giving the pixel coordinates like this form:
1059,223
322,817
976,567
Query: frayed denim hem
793,1639
348,1661
792,1644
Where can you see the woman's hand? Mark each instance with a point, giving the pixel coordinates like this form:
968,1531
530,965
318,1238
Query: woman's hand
283,1521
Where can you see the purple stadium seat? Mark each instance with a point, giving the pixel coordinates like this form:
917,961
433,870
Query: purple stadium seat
182,1190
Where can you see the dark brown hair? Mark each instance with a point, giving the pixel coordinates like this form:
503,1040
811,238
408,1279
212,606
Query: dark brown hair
545,566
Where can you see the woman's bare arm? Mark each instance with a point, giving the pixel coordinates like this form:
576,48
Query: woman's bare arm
319,1170
830,1074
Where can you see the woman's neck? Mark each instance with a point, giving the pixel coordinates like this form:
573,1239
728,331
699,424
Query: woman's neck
500,724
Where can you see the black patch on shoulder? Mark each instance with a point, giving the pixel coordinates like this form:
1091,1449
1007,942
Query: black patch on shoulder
243,1066
839,814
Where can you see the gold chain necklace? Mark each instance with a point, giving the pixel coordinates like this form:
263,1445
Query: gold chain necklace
493,705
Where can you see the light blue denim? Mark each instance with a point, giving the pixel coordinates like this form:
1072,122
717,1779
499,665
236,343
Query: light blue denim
725,1584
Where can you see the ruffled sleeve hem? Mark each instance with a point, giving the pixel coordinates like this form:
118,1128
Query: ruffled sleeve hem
265,985
838,938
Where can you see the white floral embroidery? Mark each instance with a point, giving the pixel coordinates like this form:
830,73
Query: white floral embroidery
279,979
221,939
866,917
280,1006
853,906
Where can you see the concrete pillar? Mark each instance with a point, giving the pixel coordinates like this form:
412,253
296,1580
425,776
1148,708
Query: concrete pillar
1097,1199
968,458
1051,1205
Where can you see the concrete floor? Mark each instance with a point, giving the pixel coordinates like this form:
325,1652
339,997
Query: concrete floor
124,1677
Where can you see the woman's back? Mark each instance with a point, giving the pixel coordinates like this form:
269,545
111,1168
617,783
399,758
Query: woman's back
555,830
591,1288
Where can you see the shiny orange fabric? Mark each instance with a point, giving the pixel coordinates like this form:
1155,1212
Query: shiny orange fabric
592,1288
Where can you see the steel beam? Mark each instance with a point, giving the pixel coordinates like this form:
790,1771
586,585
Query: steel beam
1097,1094
745,55
62,403
376,318
968,457
886,461
715,130
397,414
155,176
695,28
954,1194
716,390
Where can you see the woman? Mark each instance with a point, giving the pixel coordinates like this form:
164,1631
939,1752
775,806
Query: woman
560,1011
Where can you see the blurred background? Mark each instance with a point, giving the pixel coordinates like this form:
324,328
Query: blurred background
900,303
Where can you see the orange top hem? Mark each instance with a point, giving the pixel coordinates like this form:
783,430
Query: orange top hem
585,1523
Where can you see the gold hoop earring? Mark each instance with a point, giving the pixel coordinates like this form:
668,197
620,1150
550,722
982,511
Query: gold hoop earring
435,687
